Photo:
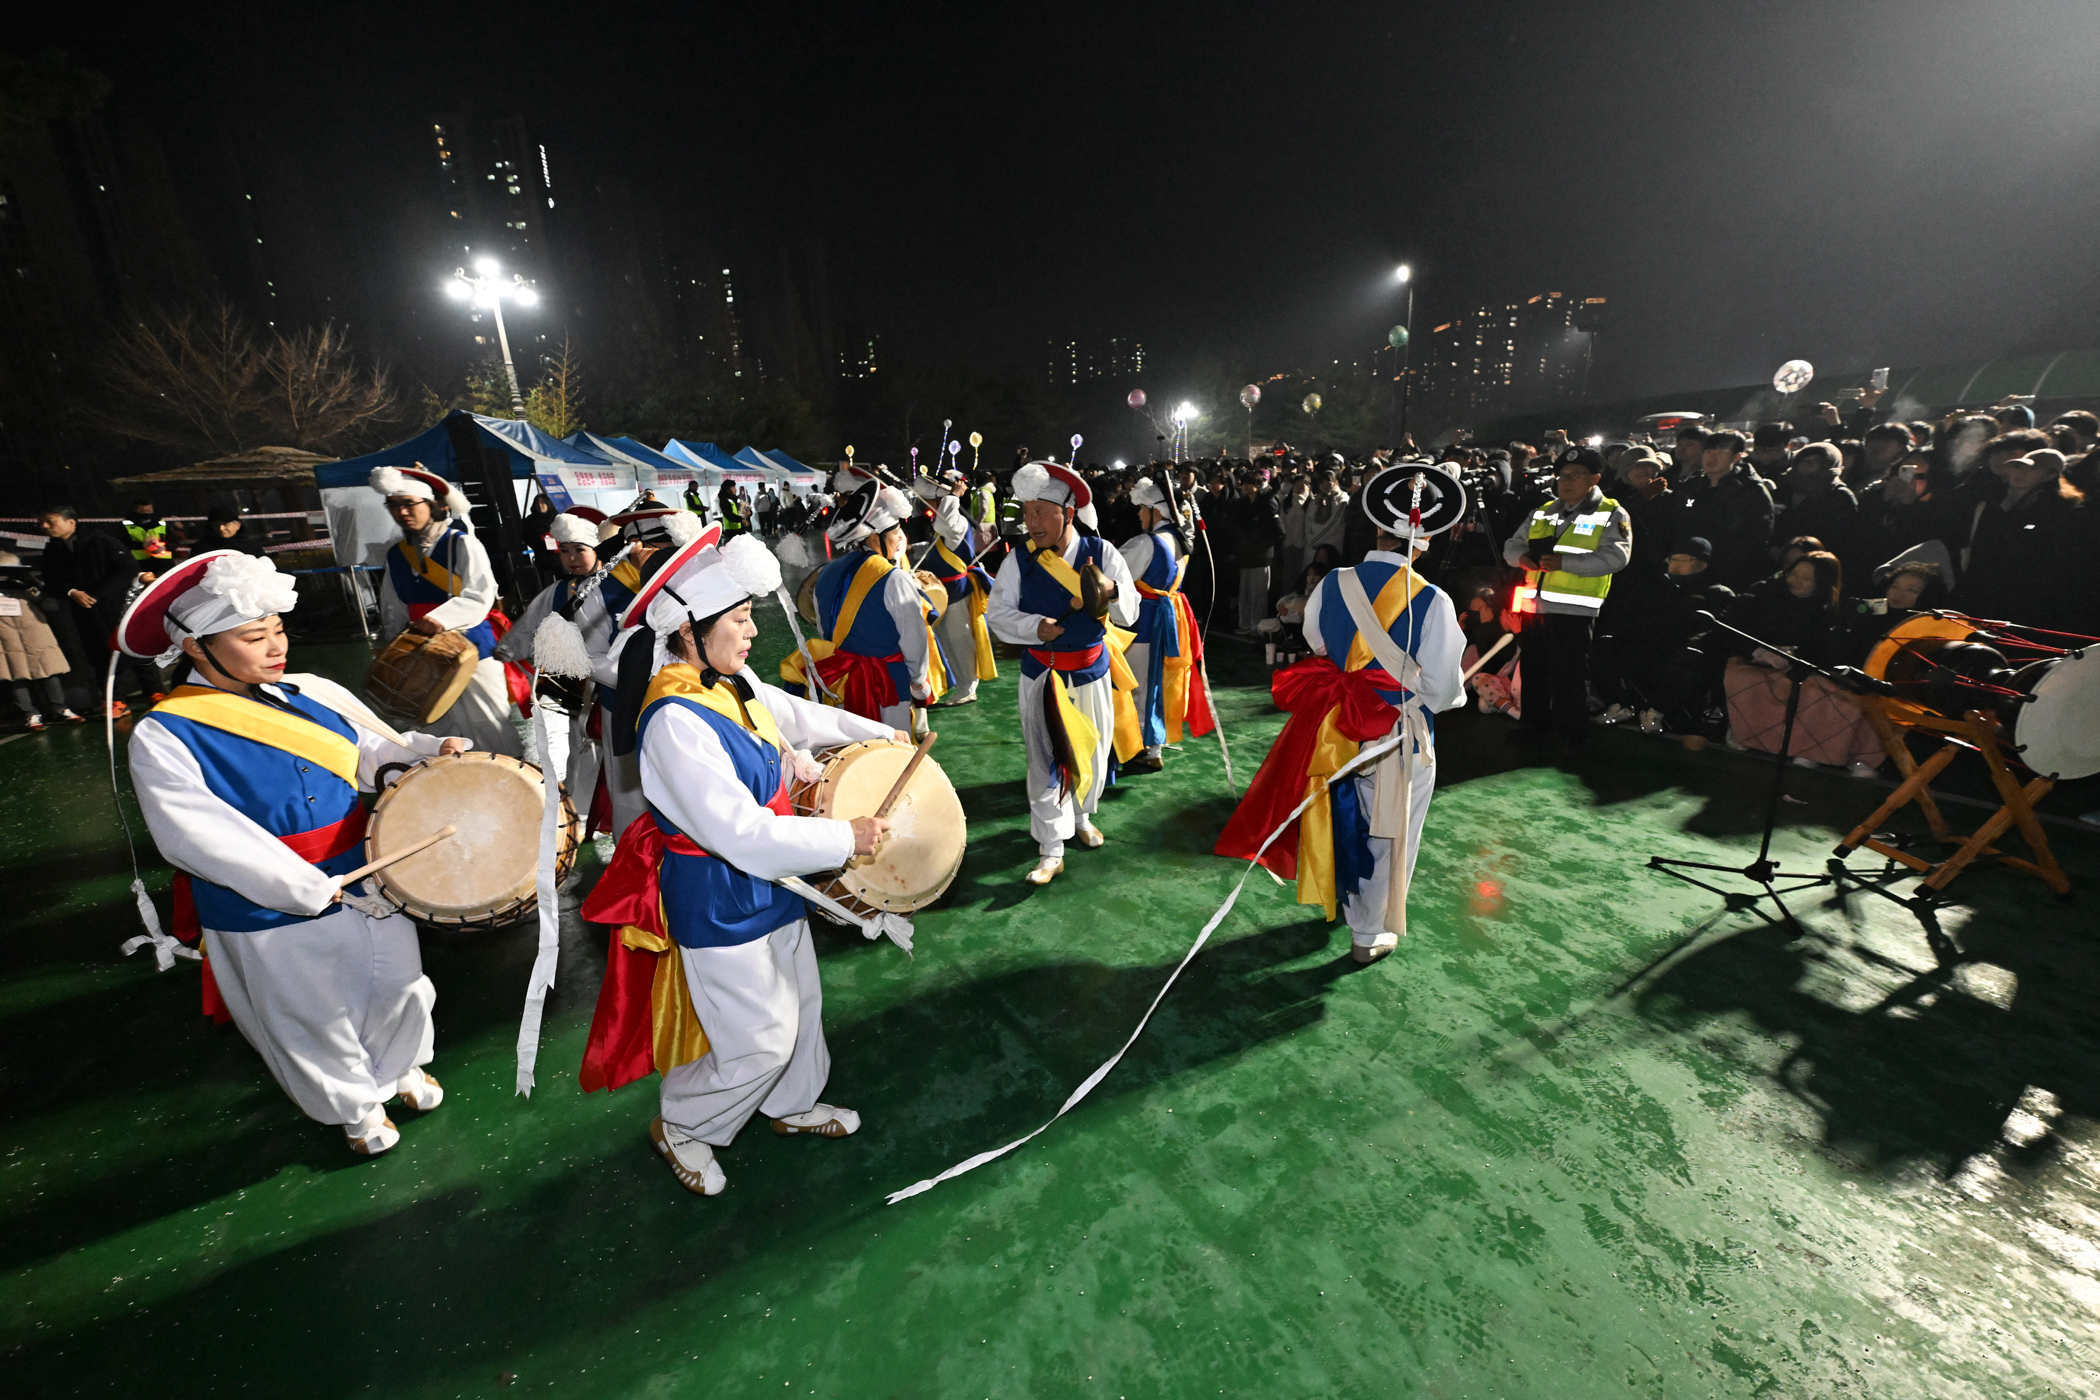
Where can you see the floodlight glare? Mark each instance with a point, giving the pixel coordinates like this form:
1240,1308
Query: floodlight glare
525,296
1186,412
487,267
1403,274
458,290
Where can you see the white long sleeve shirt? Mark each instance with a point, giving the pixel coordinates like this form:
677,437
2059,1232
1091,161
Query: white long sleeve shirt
200,832
477,594
1437,647
1011,624
688,776
949,522
591,619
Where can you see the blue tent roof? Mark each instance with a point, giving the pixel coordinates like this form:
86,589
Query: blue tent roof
790,463
753,460
526,446
628,448
702,454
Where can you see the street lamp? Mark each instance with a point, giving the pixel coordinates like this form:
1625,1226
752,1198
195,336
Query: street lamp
1183,416
487,290
1406,278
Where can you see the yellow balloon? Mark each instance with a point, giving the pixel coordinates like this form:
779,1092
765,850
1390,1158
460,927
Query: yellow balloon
977,439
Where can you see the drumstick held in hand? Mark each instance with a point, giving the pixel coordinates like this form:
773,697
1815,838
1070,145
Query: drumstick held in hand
1486,656
403,854
897,788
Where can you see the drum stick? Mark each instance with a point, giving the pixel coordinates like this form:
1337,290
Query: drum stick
1486,656
403,854
897,789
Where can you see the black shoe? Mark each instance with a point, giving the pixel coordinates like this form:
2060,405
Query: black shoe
1144,763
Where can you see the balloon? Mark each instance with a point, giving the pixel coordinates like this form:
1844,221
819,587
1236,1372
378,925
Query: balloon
1136,399
954,448
1396,337
1250,396
977,439
1793,376
849,451
1076,440
1311,404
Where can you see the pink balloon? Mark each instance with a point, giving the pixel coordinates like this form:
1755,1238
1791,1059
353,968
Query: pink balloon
1136,399
1250,396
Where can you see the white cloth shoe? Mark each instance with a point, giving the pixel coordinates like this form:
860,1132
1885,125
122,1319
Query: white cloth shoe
1617,714
1864,770
1651,722
419,1091
1089,836
1379,947
824,1120
1046,870
374,1135
692,1161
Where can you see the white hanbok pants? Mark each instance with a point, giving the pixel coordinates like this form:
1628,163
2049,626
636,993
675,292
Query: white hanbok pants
763,1010
1052,819
338,1007
482,713
961,650
1364,907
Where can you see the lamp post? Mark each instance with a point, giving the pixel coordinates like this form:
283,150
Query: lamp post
1406,277
1183,416
487,291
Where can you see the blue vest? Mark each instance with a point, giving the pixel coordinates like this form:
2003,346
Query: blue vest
278,791
709,903
1166,562
874,630
1046,597
412,588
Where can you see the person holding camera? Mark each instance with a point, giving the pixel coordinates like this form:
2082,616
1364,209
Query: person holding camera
1569,548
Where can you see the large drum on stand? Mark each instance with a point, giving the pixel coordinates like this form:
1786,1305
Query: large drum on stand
919,859
486,874
2057,732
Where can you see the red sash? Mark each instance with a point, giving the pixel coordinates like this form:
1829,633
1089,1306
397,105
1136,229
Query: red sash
1362,703
1067,660
862,683
621,1048
322,843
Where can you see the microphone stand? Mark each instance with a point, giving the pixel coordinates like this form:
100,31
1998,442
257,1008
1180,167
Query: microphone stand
1764,871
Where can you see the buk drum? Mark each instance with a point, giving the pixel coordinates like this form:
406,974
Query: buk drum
931,588
2056,733
486,874
806,598
417,678
919,859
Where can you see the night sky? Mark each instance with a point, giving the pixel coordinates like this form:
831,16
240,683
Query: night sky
1856,183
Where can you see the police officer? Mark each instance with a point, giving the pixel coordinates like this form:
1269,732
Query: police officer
1569,547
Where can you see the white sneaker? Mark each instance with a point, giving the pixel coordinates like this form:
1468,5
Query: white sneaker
1377,948
1799,762
1651,722
692,1161
824,1120
374,1135
1864,770
1617,714
419,1091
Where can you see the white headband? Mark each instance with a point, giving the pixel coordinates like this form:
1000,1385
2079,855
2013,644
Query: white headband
236,588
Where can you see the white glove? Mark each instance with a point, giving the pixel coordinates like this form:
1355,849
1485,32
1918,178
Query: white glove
803,768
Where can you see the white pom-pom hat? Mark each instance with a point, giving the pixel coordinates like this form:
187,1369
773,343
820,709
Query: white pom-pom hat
705,577
418,483
1060,486
203,595
875,507
573,529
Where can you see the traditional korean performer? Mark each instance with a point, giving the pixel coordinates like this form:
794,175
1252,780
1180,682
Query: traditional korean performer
1166,657
249,781
965,638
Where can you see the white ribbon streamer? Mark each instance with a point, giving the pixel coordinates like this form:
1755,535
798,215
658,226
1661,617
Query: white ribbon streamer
551,746
897,927
166,949
1365,755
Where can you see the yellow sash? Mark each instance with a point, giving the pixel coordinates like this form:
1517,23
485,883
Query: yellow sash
1174,670
431,571
980,631
1129,734
264,724
628,575
873,570
1332,749
683,681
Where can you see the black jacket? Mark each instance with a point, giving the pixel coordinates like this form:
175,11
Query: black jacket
1734,515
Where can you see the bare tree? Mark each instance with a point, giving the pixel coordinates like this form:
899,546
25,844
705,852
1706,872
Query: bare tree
555,404
204,381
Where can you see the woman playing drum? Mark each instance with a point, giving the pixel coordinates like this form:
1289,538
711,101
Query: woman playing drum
702,934
249,780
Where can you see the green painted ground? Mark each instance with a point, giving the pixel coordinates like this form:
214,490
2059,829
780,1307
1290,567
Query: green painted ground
1591,1132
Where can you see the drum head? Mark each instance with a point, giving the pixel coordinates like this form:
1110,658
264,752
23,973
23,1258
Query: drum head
489,864
2058,731
925,846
